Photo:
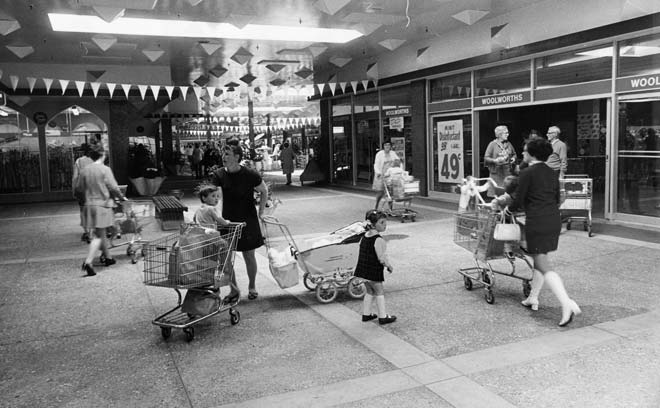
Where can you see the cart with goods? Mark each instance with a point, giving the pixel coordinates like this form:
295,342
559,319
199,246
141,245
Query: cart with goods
577,199
199,260
399,192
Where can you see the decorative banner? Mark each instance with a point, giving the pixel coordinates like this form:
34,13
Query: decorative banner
169,90
64,83
14,81
354,86
184,92
365,83
154,90
126,88
81,87
143,90
450,151
198,91
48,82
399,147
31,82
95,88
111,88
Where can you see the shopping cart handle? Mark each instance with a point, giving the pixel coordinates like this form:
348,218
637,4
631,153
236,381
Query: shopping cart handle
234,224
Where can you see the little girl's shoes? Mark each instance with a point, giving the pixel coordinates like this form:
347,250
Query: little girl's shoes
386,320
366,318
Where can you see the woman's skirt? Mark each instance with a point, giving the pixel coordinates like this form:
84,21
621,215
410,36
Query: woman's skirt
94,216
542,233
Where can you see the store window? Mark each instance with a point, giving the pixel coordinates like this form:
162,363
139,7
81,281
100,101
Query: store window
397,123
503,79
20,165
640,56
451,87
451,150
584,65
66,133
342,140
367,136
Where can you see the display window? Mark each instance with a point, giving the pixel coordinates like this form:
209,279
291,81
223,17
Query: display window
503,79
20,164
396,117
451,87
583,65
450,150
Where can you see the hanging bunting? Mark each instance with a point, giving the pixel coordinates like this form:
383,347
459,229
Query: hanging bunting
31,81
95,88
332,86
126,88
81,87
0,74
143,90
169,90
14,81
354,86
64,83
365,84
211,91
111,88
155,89
342,86
48,82
198,91
184,92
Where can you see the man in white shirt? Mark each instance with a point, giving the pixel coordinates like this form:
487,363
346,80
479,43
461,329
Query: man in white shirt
558,160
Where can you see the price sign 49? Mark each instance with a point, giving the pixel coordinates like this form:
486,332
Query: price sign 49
450,151
450,167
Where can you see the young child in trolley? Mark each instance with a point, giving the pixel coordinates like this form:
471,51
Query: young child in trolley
372,259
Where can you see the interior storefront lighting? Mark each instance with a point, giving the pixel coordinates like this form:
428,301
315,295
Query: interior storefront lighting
197,29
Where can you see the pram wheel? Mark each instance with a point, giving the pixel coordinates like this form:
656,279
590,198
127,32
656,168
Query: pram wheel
166,332
308,282
326,291
490,298
356,288
467,282
234,317
190,333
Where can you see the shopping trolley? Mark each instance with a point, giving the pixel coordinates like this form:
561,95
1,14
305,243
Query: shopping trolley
474,232
197,267
130,219
577,192
328,265
401,192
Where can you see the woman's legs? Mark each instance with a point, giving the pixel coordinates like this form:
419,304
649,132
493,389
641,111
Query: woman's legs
379,197
568,307
97,243
251,266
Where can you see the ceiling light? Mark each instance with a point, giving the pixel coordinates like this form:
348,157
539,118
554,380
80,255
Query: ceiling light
197,29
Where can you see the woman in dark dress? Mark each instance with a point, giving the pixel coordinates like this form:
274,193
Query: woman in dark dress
538,196
238,185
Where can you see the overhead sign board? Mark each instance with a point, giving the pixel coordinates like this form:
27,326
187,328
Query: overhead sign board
502,99
638,83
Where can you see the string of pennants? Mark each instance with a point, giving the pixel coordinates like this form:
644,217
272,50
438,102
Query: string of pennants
203,129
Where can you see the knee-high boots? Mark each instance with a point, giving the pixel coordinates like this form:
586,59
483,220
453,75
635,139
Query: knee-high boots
532,300
568,307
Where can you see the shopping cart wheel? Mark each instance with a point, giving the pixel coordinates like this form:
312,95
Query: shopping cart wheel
307,281
234,316
326,291
356,288
190,333
527,288
166,332
490,298
132,253
467,282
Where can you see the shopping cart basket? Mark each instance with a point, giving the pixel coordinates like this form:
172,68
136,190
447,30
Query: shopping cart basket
198,266
399,194
130,219
474,232
577,192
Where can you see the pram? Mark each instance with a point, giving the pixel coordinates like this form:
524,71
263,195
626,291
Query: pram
328,264
400,190
130,219
474,227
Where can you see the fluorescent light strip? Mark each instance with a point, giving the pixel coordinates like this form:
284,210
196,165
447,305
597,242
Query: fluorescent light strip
197,29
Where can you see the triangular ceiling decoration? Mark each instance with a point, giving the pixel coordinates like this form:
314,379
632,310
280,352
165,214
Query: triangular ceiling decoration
153,53
218,71
635,8
95,87
21,50
366,28
48,82
210,47
126,88
20,100
392,43
202,80
339,61
240,20
500,37
63,84
248,78
496,29
14,81
470,17
31,81
330,6
111,88
275,67
210,90
184,92
104,41
277,82
194,2
169,90
232,85
242,56
304,72
8,24
317,50
93,76
109,14
217,92
154,90
332,77
372,70
80,85
421,51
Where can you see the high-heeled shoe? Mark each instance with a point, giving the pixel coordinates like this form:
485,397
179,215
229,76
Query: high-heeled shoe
531,303
107,261
573,310
88,269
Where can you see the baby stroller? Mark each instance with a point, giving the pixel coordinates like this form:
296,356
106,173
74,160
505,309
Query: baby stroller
327,265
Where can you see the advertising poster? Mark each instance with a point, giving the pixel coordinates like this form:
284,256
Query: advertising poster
399,147
450,151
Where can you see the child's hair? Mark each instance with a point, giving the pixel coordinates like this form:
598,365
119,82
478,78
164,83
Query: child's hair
510,184
204,189
396,162
373,216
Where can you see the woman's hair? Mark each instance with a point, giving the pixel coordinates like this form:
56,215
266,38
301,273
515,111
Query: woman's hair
95,151
373,216
235,149
540,149
285,144
204,189
387,141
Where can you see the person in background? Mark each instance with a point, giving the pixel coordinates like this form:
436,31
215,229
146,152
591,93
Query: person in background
533,134
499,157
81,162
196,164
382,162
558,160
100,189
287,159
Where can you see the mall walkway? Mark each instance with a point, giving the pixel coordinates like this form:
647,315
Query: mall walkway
72,341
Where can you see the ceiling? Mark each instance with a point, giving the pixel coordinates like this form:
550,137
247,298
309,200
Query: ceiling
272,72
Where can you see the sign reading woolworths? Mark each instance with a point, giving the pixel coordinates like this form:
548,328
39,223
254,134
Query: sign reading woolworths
640,82
503,99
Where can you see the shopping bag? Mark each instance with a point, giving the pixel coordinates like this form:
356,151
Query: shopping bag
285,275
506,231
200,303
198,256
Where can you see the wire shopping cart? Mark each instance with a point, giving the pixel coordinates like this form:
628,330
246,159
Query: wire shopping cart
401,192
130,219
198,267
474,231
577,191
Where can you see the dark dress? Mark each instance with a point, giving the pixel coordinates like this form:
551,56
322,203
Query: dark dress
238,204
538,196
368,265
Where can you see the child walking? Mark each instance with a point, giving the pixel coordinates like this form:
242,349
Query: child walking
209,216
372,259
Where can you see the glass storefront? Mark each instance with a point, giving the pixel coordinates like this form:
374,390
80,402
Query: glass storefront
397,123
20,164
342,145
367,137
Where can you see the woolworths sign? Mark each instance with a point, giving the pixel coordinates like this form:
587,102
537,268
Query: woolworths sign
638,83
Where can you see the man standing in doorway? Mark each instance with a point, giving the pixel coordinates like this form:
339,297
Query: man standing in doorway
558,160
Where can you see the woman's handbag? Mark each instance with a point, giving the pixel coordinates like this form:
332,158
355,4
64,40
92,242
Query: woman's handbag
506,231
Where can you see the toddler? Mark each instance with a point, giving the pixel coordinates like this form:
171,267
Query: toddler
372,259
